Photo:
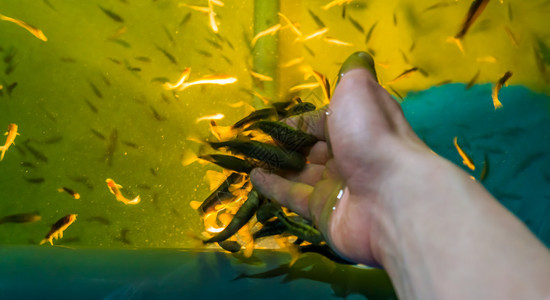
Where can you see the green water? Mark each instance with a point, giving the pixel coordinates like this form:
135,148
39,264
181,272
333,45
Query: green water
54,81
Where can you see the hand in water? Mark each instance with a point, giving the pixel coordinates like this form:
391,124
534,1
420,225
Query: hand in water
360,160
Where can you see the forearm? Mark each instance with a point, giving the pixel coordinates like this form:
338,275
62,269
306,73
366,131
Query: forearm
443,236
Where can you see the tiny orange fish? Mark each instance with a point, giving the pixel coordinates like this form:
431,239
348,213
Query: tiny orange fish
33,30
12,133
115,190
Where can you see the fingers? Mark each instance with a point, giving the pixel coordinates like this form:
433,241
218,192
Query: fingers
312,122
310,175
319,153
291,194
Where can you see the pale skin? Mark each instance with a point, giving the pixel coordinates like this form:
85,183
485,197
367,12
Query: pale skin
438,233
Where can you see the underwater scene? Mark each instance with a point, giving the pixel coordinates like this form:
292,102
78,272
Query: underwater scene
120,115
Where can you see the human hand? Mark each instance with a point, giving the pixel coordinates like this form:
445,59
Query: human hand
355,167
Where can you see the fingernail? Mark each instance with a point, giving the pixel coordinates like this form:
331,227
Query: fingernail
357,60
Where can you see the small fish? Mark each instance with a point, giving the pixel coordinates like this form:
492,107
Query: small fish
473,80
131,68
143,186
153,172
230,246
285,135
484,168
227,59
157,115
33,30
405,58
356,24
405,74
441,4
501,82
160,79
301,108
211,79
97,92
309,51
260,77
114,16
476,8
274,156
9,69
56,232
10,55
301,230
21,218
170,57
412,47
336,42
105,79
67,59
111,147
122,30
266,212
97,133
124,236
185,19
466,160
34,180
229,162
444,82
242,216
47,2
11,135
69,191
144,59
369,33
335,3
27,164
313,35
100,220
228,42
168,34
396,93
511,35
292,62
304,86
214,44
114,60
344,11
325,251
542,56
269,31
260,114
316,19
221,193
51,140
271,228
91,105
115,190
130,144
204,53
10,88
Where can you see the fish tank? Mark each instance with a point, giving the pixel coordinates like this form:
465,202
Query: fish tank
113,102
